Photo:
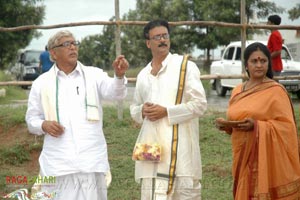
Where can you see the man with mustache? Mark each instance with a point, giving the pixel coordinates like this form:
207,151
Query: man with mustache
168,102
64,105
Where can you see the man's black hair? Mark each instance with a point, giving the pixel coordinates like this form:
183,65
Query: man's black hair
153,24
275,19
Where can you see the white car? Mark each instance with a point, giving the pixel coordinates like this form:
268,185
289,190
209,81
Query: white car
231,64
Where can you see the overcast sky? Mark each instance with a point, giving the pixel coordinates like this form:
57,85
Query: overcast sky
287,4
66,11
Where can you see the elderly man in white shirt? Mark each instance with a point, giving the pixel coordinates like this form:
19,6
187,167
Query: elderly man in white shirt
65,105
168,104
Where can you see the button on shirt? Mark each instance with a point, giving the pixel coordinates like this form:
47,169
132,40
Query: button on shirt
82,146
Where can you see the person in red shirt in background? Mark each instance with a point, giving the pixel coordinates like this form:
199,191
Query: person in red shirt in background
275,45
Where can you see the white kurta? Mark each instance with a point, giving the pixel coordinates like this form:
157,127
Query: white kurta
162,89
82,146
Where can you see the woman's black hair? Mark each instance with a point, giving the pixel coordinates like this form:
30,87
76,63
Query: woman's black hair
153,24
258,46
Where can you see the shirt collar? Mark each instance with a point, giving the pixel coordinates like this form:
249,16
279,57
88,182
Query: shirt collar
164,64
166,61
77,70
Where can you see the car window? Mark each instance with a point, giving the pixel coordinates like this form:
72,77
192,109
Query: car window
285,54
229,53
32,57
238,54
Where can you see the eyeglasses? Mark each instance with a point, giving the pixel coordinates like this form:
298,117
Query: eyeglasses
68,44
165,36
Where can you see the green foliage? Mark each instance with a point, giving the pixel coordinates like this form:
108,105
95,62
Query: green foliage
294,13
17,13
99,50
5,76
131,72
11,116
121,136
263,8
15,155
211,37
133,41
12,92
183,38
3,185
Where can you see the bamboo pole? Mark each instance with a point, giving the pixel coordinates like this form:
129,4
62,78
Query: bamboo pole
142,23
243,32
118,52
202,77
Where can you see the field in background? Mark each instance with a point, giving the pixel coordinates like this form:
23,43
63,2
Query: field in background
19,150
19,153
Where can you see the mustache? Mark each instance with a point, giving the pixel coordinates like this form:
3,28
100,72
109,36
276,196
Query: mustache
162,44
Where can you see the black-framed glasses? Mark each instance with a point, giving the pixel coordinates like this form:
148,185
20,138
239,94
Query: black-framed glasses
165,36
68,44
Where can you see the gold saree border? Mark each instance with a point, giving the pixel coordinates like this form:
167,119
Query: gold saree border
291,190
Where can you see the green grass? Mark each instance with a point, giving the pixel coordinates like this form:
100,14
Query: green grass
12,92
216,159
16,155
215,150
120,136
4,76
11,116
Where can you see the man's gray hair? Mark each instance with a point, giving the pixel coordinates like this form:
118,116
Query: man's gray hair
53,41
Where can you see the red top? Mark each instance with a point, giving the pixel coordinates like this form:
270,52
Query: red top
275,44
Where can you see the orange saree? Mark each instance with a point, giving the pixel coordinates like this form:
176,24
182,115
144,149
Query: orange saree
265,160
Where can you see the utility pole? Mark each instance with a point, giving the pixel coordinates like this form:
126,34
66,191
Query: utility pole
118,51
243,32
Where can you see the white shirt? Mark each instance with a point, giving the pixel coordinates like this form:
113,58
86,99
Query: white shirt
162,89
82,146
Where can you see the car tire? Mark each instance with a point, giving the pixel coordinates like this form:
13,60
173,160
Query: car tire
221,91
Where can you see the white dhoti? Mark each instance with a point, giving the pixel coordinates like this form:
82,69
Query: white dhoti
79,186
184,189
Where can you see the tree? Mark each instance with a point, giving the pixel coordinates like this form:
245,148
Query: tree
294,13
133,41
99,50
185,38
208,37
17,13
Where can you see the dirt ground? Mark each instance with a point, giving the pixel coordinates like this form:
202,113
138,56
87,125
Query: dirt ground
11,137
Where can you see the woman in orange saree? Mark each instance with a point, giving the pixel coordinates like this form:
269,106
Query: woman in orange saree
264,139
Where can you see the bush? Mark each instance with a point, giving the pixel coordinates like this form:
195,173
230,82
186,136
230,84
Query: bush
15,155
